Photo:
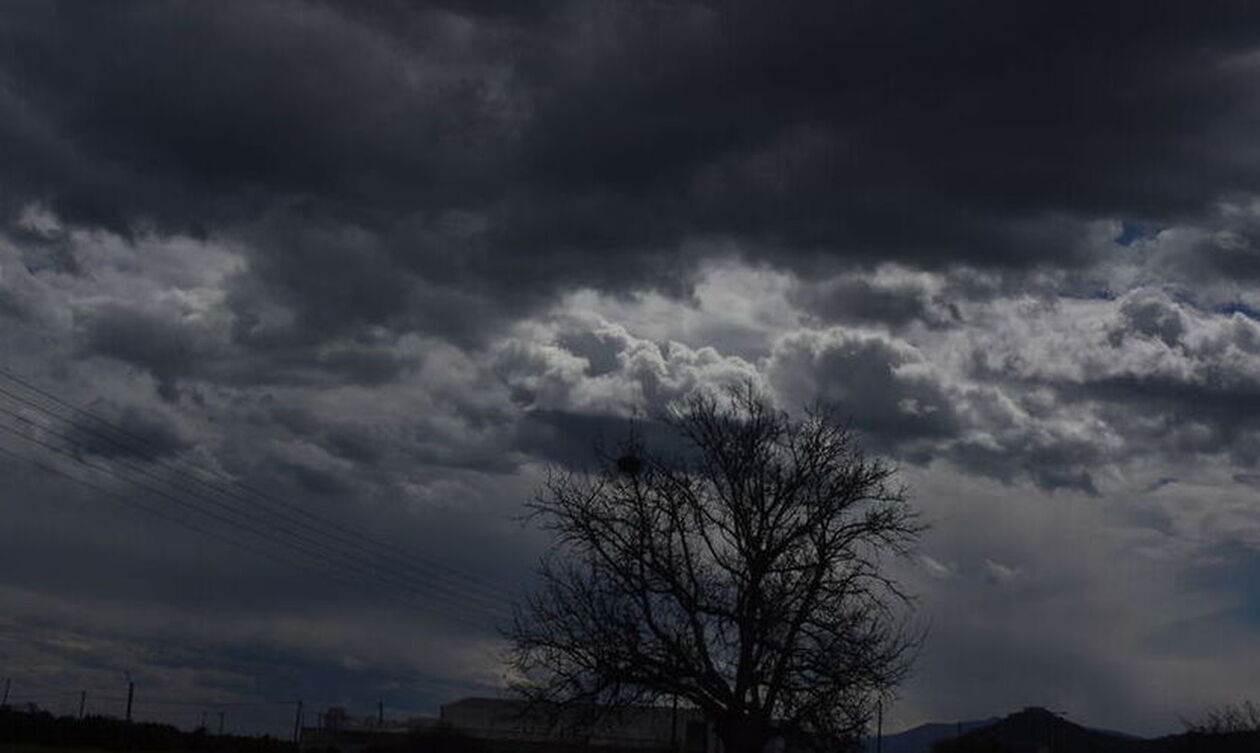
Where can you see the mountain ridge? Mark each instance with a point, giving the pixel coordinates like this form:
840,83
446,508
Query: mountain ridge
1037,730
920,739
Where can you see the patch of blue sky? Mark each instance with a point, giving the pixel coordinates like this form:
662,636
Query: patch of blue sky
1132,231
1238,307
1086,288
1235,569
1188,297
1245,576
1185,296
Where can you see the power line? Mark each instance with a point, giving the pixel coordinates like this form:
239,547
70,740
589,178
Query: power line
269,554
465,583
319,536
406,559
253,523
462,590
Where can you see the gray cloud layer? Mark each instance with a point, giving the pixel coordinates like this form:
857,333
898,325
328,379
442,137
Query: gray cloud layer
389,261
430,157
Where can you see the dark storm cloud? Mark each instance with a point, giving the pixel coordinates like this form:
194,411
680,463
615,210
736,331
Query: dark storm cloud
600,349
978,130
194,113
582,441
166,349
903,405
1227,247
1188,418
862,299
867,378
387,260
1150,316
1063,464
492,151
571,439
139,430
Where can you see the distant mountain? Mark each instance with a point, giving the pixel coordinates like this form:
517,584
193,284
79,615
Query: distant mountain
919,739
1036,730
1117,733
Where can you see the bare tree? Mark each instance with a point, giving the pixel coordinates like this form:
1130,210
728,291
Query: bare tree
742,574
1226,719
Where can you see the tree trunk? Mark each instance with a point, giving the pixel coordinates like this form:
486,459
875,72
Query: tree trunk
742,734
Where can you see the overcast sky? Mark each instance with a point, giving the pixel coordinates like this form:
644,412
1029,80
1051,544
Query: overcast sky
387,261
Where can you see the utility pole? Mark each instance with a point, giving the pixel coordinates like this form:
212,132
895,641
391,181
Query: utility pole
203,721
82,702
7,682
673,727
297,726
131,692
380,714
879,727
221,714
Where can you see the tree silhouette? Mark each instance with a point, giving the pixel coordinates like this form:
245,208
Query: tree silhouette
1244,717
741,574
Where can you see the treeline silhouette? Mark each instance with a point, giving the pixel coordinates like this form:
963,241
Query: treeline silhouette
37,726
444,739
34,725
1189,742
439,739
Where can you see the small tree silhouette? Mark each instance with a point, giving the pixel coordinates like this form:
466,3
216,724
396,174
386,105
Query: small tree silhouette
1244,717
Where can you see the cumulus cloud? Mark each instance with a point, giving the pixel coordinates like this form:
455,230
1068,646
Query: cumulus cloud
886,387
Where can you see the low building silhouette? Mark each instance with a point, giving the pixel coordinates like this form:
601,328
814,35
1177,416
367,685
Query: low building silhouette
338,730
511,726
503,725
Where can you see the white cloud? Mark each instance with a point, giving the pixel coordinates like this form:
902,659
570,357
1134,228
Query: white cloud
999,574
934,568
